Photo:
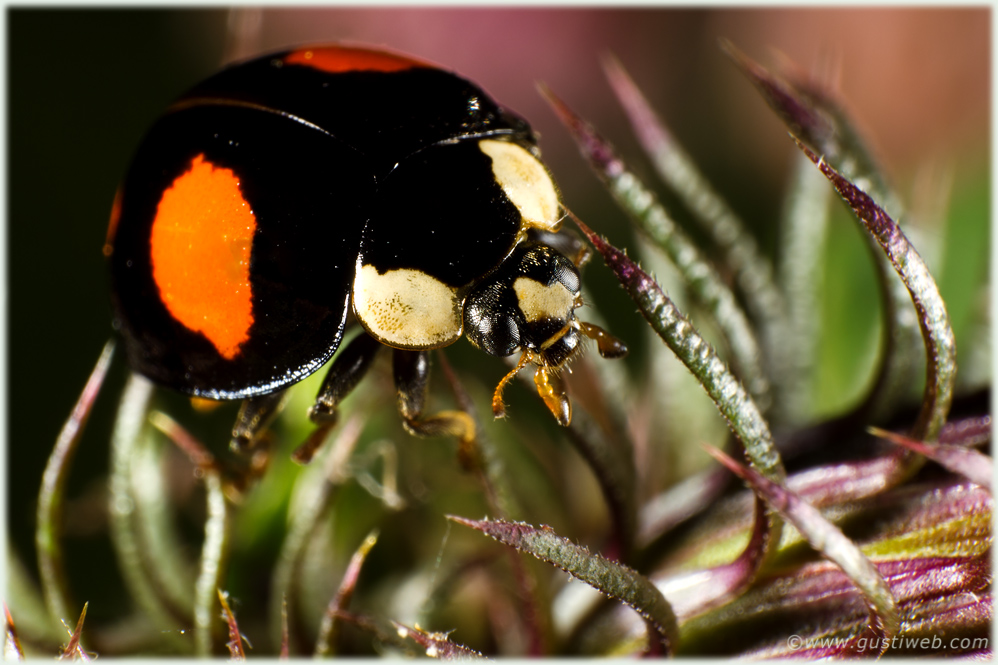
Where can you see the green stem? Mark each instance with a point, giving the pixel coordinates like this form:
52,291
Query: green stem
51,497
705,284
212,563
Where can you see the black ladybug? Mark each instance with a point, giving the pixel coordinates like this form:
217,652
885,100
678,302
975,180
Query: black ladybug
285,196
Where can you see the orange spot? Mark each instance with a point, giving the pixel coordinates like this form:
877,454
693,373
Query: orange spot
201,241
204,405
112,225
338,59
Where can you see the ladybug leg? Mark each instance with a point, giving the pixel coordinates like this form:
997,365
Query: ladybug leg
498,406
346,372
412,375
255,415
608,345
550,387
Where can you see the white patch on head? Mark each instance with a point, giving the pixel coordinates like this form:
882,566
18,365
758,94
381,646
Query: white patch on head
407,308
525,182
539,301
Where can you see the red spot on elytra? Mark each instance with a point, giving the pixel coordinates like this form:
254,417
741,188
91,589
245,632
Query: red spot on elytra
112,225
201,241
339,59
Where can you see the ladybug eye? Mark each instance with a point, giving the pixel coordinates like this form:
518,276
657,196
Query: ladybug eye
525,182
489,326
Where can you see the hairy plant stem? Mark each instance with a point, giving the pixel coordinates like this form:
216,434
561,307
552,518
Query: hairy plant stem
830,541
52,494
328,628
212,566
705,284
614,579
812,114
314,493
492,475
731,399
753,272
128,440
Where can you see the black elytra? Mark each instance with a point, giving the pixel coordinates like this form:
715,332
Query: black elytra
286,196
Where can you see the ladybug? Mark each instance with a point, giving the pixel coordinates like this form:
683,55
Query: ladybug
288,196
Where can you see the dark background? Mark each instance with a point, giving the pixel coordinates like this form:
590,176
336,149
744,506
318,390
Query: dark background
83,86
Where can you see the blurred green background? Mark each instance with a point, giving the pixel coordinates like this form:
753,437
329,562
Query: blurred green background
84,84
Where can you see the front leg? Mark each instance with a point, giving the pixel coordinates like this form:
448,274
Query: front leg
412,376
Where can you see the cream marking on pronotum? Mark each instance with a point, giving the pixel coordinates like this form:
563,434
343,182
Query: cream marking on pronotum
407,308
540,301
525,182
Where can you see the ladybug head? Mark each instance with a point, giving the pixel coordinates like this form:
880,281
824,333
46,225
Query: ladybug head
528,304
